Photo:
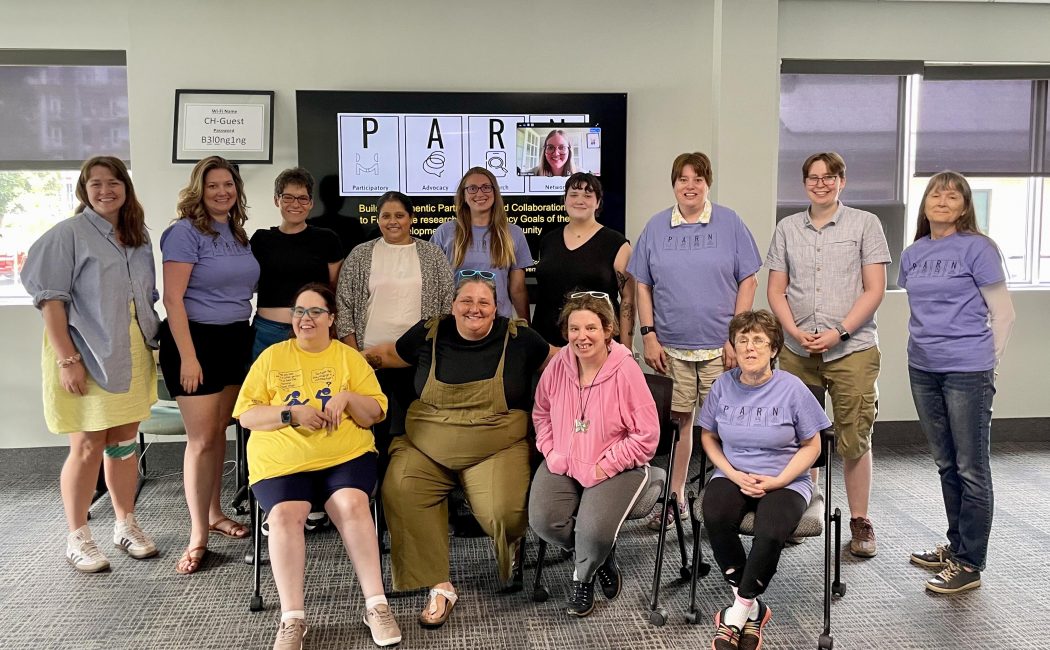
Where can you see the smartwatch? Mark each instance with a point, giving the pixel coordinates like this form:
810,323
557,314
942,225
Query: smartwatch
843,334
645,329
286,416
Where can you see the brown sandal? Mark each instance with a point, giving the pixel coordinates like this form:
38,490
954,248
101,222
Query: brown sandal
190,563
229,528
439,616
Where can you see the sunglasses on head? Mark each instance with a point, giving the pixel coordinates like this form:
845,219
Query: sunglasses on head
470,273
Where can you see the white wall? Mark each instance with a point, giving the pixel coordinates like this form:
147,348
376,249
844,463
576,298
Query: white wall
935,32
700,75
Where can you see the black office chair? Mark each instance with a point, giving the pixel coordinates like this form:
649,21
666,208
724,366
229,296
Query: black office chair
658,491
817,520
256,603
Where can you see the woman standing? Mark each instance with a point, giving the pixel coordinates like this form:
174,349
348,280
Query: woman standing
597,429
583,254
309,403
481,238
386,286
290,256
206,341
961,316
92,277
695,264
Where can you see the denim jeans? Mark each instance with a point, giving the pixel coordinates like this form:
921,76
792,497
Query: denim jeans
955,411
268,332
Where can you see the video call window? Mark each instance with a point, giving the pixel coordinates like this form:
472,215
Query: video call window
558,149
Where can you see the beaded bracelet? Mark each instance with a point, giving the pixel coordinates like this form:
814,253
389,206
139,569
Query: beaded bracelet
68,361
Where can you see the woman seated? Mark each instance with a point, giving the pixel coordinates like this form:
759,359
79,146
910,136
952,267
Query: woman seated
309,402
760,429
473,376
597,428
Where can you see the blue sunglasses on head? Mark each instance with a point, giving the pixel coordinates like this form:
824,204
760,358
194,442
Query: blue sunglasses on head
470,273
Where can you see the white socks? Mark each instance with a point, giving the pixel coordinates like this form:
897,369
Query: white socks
374,601
742,610
295,613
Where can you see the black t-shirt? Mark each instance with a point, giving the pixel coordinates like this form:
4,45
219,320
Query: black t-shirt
461,361
560,271
287,262
348,229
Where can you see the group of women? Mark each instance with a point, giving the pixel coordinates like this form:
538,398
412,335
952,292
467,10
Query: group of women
445,325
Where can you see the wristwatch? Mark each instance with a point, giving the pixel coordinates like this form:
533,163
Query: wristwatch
286,416
843,334
645,329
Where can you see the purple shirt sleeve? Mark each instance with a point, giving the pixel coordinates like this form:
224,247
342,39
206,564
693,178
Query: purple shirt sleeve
987,264
748,259
522,254
180,243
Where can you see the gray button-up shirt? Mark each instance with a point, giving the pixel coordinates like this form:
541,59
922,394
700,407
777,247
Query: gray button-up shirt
824,272
80,263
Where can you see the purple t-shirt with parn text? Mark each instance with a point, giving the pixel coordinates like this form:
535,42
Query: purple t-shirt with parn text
479,258
948,330
224,273
763,427
694,271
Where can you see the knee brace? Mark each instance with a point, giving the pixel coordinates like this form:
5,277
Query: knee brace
121,450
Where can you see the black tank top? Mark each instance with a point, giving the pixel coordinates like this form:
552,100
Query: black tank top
560,271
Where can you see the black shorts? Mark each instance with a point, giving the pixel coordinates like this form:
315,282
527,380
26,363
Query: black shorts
224,352
317,486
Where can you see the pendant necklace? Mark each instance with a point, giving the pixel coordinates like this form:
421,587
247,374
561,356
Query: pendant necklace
581,424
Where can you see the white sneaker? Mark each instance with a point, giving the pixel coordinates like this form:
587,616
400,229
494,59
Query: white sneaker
83,553
383,626
128,537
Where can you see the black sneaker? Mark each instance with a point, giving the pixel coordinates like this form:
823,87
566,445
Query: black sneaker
954,579
581,600
727,637
609,577
751,634
935,559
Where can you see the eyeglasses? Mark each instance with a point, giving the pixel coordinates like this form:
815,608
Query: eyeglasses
474,189
813,181
291,198
551,148
758,344
313,312
470,273
600,295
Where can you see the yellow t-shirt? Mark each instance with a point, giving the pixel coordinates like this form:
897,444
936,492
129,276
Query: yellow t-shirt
286,375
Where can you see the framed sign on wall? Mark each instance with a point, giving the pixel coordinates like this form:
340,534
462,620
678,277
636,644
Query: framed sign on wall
234,124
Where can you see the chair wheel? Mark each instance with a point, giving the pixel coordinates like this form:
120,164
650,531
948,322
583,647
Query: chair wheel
658,617
703,569
257,604
839,589
540,594
685,573
690,617
826,642
249,557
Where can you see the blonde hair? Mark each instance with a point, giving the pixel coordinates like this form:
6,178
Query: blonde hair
191,199
501,246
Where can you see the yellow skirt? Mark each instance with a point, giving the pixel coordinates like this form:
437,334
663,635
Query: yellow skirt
99,409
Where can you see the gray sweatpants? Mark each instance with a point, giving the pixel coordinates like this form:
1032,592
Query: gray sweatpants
584,520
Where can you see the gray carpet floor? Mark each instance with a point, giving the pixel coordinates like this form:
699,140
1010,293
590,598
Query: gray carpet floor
144,604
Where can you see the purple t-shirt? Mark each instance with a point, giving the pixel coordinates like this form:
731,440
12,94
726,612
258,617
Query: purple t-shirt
224,274
695,272
949,319
479,258
763,427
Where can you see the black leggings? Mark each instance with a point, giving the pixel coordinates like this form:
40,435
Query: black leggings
776,516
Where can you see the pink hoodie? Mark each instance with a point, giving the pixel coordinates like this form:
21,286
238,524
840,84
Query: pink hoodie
624,429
